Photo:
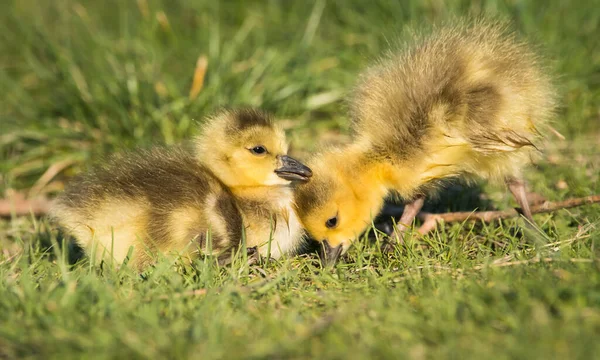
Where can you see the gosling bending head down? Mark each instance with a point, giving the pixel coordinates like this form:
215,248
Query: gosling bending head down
465,101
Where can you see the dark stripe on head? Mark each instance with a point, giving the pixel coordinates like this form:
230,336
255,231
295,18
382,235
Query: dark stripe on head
248,117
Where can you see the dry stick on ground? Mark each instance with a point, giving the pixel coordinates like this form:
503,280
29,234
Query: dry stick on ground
430,220
20,206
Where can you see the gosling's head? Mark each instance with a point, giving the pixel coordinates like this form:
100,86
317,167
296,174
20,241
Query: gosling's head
244,148
337,205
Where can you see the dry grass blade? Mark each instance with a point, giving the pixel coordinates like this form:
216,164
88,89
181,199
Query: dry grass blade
582,233
143,7
556,133
499,263
531,261
199,73
49,174
191,293
163,21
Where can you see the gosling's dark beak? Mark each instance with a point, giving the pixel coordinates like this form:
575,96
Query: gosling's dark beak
328,254
292,169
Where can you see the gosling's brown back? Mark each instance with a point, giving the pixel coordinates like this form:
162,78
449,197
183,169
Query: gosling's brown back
166,179
476,79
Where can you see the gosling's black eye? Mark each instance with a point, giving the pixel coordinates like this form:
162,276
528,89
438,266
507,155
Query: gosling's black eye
331,223
258,150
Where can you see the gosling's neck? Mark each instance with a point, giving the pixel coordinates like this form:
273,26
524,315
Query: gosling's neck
362,174
377,175
272,197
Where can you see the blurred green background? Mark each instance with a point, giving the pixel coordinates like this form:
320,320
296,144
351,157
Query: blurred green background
82,79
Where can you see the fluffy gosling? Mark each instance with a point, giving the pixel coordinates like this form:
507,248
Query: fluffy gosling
235,184
466,101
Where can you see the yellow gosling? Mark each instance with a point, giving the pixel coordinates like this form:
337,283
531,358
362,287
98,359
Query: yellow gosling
465,101
235,184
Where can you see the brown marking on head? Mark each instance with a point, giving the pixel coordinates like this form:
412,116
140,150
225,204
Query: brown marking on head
248,117
243,148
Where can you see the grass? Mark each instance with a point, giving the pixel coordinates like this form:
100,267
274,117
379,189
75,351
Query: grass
79,80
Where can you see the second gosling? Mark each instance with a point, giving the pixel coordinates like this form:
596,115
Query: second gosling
465,101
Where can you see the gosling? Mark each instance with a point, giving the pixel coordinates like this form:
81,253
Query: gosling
466,101
235,184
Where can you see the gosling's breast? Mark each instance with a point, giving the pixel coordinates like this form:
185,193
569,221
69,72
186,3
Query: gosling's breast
287,235
272,226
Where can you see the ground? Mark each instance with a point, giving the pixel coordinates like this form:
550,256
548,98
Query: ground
79,80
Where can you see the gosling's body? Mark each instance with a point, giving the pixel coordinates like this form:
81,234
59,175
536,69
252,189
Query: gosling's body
156,201
463,101
173,200
466,101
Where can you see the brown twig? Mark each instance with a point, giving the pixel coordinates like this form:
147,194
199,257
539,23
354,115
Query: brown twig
430,220
18,205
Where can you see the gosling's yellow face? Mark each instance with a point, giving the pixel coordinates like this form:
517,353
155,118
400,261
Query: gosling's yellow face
333,208
245,149
257,156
